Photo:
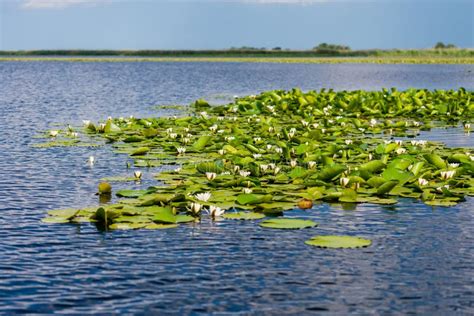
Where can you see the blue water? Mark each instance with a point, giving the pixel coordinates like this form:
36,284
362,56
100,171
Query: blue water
421,260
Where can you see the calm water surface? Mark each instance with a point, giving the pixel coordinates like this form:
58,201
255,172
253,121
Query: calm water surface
421,260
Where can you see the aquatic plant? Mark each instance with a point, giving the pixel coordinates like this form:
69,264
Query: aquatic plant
269,153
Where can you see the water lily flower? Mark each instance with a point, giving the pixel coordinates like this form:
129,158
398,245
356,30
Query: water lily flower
348,141
311,164
244,173
422,182
271,108
213,128
257,139
445,175
399,142
221,152
343,124
304,123
387,141
211,175
204,115
137,174
186,140
263,167
323,130
195,208
269,147
271,165
271,129
293,163
91,160
440,189
257,156
453,165
416,124
276,170
203,196
373,122
181,150
467,126
236,169
177,170
225,173
229,138
189,135
292,132
215,211
344,181
173,135
370,156
220,118
400,151
278,150
53,133
169,130
247,190
315,125
221,131
186,129
86,123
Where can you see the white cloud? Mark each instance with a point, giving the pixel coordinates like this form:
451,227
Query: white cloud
59,4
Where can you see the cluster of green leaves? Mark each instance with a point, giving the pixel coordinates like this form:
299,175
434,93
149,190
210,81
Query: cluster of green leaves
260,155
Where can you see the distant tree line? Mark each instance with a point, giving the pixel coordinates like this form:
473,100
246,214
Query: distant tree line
441,45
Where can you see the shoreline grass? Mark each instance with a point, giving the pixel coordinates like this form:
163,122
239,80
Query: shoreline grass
245,59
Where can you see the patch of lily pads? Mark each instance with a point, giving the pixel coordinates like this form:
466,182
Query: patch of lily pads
264,155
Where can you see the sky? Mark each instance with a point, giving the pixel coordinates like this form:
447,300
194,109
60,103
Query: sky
214,24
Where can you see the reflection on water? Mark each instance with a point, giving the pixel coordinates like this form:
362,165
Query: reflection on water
421,260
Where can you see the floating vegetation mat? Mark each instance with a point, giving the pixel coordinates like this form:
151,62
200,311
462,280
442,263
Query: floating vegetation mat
262,155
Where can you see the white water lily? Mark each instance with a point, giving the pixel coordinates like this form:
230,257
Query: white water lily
221,152
399,142
315,125
186,129
271,165
173,135
225,173
311,164
169,130
203,196
269,147
229,138
53,133
304,123
186,140
446,175
244,173
91,160
400,151
453,165
323,130
370,157
257,156
211,175
422,182
344,181
348,141
221,131
236,169
247,190
276,170
467,126
181,150
278,150
343,124
215,211
271,129
86,123
292,132
416,124
387,141
257,139
204,115
177,170
195,208
373,122
137,174
440,189
271,108
293,163
220,118
263,167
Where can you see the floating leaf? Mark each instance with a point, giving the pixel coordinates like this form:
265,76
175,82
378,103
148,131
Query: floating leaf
287,223
329,241
244,216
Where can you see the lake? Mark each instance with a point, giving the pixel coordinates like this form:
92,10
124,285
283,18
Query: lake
421,260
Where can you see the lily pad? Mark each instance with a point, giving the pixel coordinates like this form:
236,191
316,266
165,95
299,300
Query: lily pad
329,241
244,216
287,223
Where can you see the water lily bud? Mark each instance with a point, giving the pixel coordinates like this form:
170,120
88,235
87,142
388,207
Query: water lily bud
305,204
344,181
211,176
311,164
137,174
247,190
105,188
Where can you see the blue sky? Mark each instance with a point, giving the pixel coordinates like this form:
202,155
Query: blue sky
213,24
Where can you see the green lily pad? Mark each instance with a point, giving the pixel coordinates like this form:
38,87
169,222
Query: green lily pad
160,226
338,242
244,216
287,223
55,220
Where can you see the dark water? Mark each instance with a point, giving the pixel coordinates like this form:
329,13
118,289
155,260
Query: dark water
421,260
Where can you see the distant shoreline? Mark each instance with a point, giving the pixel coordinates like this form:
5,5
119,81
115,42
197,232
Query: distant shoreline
245,59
